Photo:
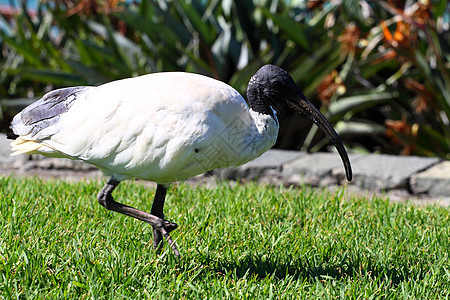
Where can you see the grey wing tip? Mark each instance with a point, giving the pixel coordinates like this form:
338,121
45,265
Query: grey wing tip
40,116
11,135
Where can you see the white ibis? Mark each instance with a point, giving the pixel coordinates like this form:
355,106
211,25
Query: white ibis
162,127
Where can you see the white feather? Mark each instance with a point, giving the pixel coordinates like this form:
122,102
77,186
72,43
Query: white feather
161,127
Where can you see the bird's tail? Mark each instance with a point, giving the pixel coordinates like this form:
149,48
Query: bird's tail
23,146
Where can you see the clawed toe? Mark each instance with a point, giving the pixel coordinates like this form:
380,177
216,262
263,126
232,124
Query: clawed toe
170,226
163,230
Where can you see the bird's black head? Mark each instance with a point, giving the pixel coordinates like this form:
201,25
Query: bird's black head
268,87
271,85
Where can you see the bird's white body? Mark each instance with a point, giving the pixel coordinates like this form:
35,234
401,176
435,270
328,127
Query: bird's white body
161,127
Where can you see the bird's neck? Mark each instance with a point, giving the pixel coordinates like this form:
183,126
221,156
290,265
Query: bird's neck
261,135
258,102
262,107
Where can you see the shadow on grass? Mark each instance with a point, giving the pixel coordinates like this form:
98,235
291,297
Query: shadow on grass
310,269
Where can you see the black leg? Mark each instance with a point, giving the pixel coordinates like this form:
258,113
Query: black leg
162,227
157,210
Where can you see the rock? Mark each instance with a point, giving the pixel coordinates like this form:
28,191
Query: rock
434,181
267,165
378,172
316,169
5,149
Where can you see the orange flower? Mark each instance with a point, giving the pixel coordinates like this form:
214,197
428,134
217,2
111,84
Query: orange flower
87,7
418,12
350,38
423,12
401,39
389,54
423,97
331,84
401,133
397,126
402,35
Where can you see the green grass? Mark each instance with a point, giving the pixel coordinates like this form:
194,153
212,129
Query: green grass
242,242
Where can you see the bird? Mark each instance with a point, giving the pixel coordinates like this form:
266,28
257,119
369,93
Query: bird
163,127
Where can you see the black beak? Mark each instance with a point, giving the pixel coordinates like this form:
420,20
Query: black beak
302,104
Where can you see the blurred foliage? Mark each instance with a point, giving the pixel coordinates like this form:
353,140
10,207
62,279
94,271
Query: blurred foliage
377,69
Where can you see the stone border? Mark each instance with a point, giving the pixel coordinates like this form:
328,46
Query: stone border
400,177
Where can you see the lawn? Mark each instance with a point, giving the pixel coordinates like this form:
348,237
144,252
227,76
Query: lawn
237,241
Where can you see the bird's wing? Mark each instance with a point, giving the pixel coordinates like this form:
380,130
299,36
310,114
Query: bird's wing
38,121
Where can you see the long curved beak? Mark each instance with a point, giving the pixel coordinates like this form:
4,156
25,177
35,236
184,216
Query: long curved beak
302,104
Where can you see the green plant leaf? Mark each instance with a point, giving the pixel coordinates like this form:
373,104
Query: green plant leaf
292,29
360,128
357,103
49,76
191,16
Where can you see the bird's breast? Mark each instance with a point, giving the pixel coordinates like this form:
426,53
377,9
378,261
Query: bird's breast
239,139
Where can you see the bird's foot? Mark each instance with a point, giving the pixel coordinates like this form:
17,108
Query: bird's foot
163,229
170,226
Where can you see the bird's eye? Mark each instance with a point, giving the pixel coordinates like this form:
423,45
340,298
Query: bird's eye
277,84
